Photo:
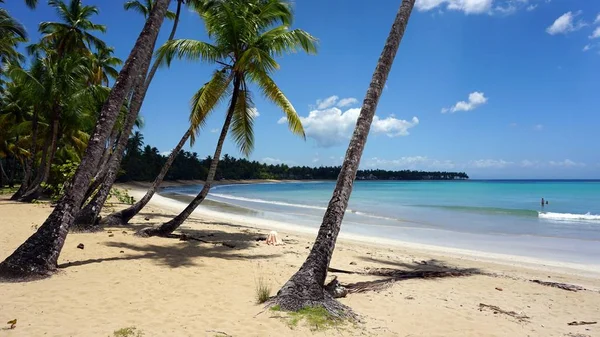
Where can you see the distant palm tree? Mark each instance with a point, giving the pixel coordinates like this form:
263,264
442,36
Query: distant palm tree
145,8
103,63
73,33
306,287
248,35
38,255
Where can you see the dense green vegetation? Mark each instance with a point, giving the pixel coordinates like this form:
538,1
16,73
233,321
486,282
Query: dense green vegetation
142,163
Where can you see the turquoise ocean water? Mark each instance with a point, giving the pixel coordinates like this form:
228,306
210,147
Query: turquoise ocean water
491,216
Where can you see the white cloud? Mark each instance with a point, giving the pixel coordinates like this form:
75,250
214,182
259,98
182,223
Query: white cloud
538,127
529,163
587,47
566,163
254,112
596,33
475,99
327,102
490,163
271,161
332,126
531,7
347,101
413,163
214,130
166,153
466,6
597,21
565,24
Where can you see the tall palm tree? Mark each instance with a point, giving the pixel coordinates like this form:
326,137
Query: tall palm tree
74,32
306,286
248,35
145,7
11,33
87,219
38,255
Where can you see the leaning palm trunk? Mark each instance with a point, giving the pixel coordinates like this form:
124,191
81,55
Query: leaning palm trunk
36,189
30,159
122,217
170,226
306,287
87,219
38,255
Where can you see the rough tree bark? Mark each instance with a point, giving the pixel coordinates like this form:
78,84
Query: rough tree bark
38,255
170,226
306,286
122,217
87,219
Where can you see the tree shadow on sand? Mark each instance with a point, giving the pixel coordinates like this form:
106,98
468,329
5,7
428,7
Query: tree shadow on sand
430,269
208,244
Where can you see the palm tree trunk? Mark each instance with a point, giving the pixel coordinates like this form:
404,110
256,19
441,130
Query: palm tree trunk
87,219
30,159
306,287
3,175
38,255
122,217
170,226
36,189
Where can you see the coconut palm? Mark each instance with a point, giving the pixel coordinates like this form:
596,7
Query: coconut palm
248,35
38,255
87,219
145,7
306,286
11,34
103,66
74,32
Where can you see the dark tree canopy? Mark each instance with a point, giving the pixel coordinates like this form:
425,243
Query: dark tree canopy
142,163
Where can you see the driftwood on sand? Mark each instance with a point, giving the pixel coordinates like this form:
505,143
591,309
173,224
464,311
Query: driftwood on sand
563,286
581,323
498,310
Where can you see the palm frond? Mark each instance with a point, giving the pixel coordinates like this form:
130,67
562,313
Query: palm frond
137,6
242,123
190,50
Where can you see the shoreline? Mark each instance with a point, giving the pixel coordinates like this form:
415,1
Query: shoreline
539,264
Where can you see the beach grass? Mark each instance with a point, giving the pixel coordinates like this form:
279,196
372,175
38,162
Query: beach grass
263,290
128,332
317,318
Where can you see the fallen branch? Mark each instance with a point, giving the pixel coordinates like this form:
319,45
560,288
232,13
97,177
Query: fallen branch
581,323
185,237
219,332
495,309
563,286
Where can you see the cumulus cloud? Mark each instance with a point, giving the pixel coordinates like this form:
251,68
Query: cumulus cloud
531,7
271,161
490,163
475,99
565,24
254,112
597,21
595,33
502,7
587,47
411,162
332,126
214,130
566,163
327,102
166,153
347,101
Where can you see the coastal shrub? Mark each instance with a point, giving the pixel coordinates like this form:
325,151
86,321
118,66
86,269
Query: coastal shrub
263,290
128,332
121,195
60,174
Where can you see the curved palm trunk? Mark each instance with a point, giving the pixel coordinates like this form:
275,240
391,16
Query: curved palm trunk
306,287
122,217
36,189
38,255
170,226
87,219
30,159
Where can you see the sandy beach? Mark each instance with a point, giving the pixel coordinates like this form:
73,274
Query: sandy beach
169,287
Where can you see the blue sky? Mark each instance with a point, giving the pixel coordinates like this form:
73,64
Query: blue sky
496,88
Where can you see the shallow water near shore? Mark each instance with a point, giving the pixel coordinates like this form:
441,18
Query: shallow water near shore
503,217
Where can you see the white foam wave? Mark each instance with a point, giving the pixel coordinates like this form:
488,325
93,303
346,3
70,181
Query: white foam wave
569,216
262,201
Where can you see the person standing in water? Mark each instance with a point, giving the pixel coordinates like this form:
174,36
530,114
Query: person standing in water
543,203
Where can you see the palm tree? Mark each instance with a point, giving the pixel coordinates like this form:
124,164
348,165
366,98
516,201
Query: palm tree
145,8
73,34
11,33
38,255
87,219
103,63
306,287
248,35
